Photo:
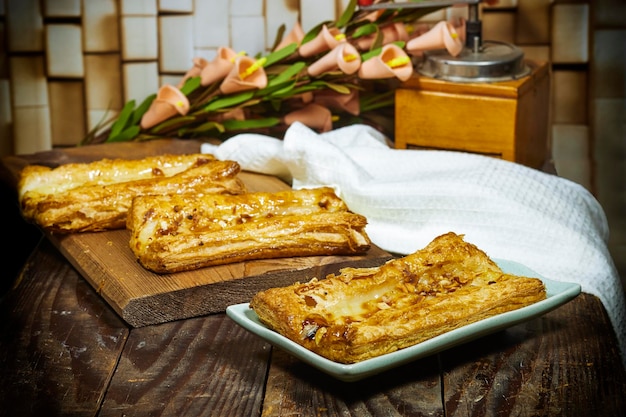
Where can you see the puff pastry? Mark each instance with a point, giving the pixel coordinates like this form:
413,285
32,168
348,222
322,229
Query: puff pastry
96,196
184,232
361,313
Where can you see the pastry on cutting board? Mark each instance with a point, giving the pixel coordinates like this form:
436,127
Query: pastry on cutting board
185,232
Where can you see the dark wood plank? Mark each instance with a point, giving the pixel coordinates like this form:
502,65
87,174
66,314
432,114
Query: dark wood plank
60,343
206,366
564,363
295,388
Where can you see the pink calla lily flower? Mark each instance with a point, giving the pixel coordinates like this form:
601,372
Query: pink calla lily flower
195,71
312,115
247,74
338,101
295,36
343,57
391,33
169,102
391,62
327,39
442,35
219,67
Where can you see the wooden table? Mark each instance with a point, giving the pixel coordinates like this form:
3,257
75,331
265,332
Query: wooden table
65,352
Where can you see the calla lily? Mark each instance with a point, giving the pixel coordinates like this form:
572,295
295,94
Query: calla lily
326,40
312,115
234,114
221,65
195,71
343,57
169,102
391,62
442,35
338,101
295,36
391,33
246,74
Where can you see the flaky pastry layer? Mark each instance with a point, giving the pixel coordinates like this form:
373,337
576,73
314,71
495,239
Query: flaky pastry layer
103,203
362,313
187,232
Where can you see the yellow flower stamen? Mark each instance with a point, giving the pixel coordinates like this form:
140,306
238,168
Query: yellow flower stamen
334,118
340,37
349,57
398,62
180,103
240,53
252,68
454,35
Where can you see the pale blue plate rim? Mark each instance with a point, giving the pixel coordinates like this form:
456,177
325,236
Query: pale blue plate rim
558,293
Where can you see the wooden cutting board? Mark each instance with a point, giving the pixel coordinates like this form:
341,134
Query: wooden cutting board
143,298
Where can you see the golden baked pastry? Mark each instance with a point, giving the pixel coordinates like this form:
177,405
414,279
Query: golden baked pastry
361,313
184,232
96,196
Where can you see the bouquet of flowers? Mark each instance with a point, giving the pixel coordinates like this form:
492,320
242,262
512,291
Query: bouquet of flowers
339,73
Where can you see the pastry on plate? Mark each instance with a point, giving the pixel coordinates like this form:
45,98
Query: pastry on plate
361,313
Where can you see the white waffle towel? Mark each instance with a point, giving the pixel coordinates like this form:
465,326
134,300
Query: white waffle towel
550,224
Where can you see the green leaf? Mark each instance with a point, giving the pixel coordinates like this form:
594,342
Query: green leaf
340,88
190,85
347,14
251,124
311,34
281,54
172,123
207,127
287,74
122,119
126,135
142,109
365,30
280,33
229,101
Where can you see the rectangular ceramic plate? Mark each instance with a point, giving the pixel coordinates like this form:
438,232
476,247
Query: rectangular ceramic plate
558,293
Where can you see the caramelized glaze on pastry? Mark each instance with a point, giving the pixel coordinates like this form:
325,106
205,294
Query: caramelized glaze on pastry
96,196
184,232
361,313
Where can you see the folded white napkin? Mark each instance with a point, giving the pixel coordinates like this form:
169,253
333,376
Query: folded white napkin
549,224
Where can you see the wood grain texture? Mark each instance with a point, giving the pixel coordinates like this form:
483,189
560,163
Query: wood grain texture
60,345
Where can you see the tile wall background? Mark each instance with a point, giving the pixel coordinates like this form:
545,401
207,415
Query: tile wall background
66,64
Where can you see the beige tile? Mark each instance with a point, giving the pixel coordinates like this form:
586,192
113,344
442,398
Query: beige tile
139,38
169,79
248,34
67,112
313,12
176,6
24,26
570,33
609,129
103,82
64,56
100,119
176,51
499,26
62,8
570,153
532,22
536,52
138,7
608,64
246,7
100,26
32,129
211,24
6,119
140,80
569,97
4,59
28,81
278,13
609,13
